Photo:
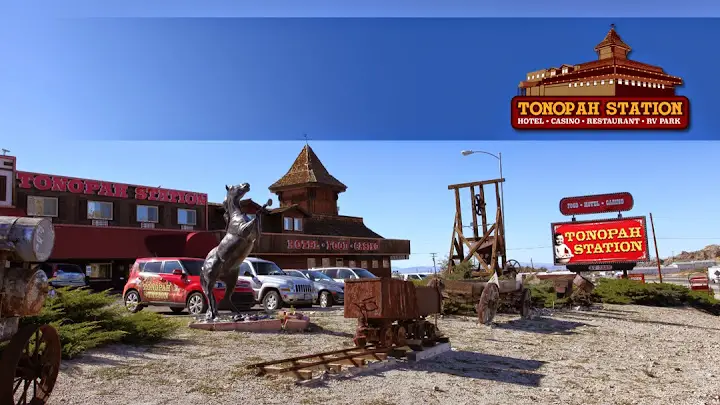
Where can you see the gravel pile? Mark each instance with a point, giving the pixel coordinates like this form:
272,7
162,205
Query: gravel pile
613,355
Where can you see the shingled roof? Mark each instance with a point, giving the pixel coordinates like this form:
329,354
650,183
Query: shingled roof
307,170
612,39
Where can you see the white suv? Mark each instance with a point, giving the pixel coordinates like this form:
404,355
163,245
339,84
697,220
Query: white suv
340,274
273,287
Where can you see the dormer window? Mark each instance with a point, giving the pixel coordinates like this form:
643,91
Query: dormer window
292,224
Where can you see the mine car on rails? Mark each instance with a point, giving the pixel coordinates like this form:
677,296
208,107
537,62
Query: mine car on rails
392,312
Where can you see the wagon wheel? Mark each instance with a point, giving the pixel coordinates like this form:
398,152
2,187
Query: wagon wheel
386,337
30,365
488,304
511,268
526,304
400,336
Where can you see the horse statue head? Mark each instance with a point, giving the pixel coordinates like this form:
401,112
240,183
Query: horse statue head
233,196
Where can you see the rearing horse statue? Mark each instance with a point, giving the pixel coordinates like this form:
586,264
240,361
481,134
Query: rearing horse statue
223,262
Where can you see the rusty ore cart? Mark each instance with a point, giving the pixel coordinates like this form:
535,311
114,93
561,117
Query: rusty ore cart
30,358
392,312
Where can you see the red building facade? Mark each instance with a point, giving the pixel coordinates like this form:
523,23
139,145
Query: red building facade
104,226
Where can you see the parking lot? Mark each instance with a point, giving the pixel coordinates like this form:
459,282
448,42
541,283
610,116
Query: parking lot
613,355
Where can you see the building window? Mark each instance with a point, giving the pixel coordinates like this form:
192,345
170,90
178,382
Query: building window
375,264
569,84
595,83
644,84
663,86
288,224
311,262
364,264
575,84
602,82
339,262
632,82
581,84
100,210
587,84
386,263
187,217
351,263
42,206
552,73
326,262
611,81
528,77
564,70
543,75
147,213
298,224
99,270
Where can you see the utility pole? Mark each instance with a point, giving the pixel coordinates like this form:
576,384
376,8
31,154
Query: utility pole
657,255
434,266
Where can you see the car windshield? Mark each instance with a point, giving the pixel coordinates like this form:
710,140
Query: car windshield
316,275
362,273
193,267
69,268
295,273
268,269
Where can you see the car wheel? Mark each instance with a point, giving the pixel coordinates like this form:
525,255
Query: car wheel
177,310
197,304
132,301
271,301
325,300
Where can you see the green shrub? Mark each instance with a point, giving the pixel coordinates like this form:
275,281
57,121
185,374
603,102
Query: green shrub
85,320
543,294
704,302
624,291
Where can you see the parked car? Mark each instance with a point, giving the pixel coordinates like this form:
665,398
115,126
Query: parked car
414,276
714,274
274,288
64,274
329,291
175,282
340,274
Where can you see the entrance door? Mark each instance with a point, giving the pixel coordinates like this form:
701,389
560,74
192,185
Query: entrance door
175,283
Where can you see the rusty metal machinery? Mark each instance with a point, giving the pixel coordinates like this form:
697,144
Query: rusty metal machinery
488,296
30,361
392,312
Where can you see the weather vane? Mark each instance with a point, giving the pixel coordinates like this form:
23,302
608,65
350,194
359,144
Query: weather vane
306,139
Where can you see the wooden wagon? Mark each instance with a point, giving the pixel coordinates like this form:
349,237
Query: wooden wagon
30,358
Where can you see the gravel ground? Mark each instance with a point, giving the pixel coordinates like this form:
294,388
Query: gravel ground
613,355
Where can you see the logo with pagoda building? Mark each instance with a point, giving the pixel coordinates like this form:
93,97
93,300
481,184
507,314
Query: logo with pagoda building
612,92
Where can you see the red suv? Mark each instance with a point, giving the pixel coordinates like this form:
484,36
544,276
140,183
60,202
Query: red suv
175,282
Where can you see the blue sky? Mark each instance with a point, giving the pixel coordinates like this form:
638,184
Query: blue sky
73,89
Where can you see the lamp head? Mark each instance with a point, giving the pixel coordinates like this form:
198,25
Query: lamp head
467,152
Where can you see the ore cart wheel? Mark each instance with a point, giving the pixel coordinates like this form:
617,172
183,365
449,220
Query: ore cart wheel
400,336
386,337
526,304
29,366
488,304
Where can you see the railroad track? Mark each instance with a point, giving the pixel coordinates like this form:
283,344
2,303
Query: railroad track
333,361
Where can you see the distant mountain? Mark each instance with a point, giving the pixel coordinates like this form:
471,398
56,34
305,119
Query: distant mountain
429,269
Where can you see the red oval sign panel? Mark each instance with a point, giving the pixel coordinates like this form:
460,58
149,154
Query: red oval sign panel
596,204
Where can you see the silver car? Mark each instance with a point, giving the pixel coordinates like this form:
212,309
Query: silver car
329,291
64,274
340,274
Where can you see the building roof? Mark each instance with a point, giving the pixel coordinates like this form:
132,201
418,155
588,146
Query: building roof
338,226
307,170
612,39
289,208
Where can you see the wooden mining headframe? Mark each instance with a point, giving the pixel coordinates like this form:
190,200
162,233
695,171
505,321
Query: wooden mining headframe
487,247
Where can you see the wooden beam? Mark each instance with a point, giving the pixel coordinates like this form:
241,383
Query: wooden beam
459,224
493,259
474,247
474,211
452,245
475,183
483,214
